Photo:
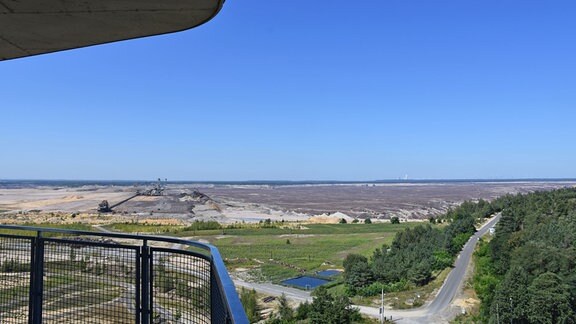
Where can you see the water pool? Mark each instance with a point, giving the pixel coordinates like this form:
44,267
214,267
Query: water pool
328,273
305,282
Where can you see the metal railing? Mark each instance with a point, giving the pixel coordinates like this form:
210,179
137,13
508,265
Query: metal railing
68,276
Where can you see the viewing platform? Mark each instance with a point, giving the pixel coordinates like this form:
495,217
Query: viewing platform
53,276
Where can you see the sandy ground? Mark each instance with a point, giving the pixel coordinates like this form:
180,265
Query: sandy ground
245,203
72,204
403,200
60,199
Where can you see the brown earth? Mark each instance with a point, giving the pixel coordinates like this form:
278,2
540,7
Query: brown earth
252,203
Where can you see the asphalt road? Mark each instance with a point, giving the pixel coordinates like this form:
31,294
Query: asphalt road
456,276
275,290
433,312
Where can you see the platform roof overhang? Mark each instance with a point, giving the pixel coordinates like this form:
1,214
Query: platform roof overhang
31,27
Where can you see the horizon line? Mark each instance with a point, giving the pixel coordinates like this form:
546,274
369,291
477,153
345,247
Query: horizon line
328,181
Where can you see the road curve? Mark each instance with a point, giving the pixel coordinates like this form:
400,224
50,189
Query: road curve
433,312
456,276
429,313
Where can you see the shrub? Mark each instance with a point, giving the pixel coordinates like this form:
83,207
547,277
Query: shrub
13,265
203,225
376,288
251,307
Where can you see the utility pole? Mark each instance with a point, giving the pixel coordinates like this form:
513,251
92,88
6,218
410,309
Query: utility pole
497,315
382,317
511,310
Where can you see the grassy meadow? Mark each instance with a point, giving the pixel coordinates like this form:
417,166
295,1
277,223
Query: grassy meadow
280,250
281,253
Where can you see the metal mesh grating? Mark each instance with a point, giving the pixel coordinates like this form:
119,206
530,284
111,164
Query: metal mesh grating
181,287
89,283
15,259
85,277
218,313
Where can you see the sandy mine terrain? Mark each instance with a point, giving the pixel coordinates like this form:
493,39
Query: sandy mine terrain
409,201
183,203
60,198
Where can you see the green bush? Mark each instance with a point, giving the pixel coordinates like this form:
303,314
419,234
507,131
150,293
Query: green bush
203,225
13,265
250,303
376,288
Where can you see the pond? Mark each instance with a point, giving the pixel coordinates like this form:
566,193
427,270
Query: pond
305,282
328,273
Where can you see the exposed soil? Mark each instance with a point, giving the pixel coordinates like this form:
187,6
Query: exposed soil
183,204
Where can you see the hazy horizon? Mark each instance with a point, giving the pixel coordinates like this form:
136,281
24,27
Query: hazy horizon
303,181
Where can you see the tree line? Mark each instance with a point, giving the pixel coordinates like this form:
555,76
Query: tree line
415,253
325,308
525,274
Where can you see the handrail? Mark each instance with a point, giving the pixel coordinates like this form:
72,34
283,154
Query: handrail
169,239
232,301
234,305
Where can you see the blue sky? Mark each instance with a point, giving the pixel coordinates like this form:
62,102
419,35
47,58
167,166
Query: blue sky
301,90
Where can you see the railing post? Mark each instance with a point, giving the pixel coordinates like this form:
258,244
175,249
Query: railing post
37,279
218,311
145,298
31,291
138,287
214,302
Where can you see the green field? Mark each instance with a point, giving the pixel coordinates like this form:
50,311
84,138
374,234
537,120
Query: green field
280,253
282,250
143,228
